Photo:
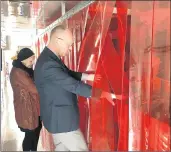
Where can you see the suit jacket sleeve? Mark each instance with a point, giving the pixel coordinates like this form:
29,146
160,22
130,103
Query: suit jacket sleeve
76,75
52,71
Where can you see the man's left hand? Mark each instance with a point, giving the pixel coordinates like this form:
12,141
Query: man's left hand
91,77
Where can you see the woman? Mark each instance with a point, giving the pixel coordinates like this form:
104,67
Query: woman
26,98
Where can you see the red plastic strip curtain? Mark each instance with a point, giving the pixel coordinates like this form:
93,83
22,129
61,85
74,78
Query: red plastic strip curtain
38,47
149,114
35,6
111,134
45,38
91,47
93,41
46,137
122,106
47,140
77,24
70,61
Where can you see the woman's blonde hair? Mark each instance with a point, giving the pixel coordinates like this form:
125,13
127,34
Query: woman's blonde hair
15,57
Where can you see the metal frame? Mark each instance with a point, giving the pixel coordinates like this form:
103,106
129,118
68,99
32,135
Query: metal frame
70,13
63,8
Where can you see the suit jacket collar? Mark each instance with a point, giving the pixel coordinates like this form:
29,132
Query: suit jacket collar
54,56
51,54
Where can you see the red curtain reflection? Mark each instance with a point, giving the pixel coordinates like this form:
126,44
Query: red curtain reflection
91,47
149,115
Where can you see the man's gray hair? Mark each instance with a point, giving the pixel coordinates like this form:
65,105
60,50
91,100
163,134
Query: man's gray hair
58,27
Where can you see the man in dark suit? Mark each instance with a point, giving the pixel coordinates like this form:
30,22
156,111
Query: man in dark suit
58,88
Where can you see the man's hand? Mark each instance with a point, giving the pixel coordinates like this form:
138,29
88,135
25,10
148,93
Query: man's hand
98,77
111,96
114,96
90,77
107,96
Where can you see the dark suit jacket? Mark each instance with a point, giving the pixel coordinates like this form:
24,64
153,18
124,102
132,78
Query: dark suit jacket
58,88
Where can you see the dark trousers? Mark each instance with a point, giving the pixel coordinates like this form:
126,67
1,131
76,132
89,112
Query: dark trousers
31,139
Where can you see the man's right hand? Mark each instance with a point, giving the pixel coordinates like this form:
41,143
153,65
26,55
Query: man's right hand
111,96
98,93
